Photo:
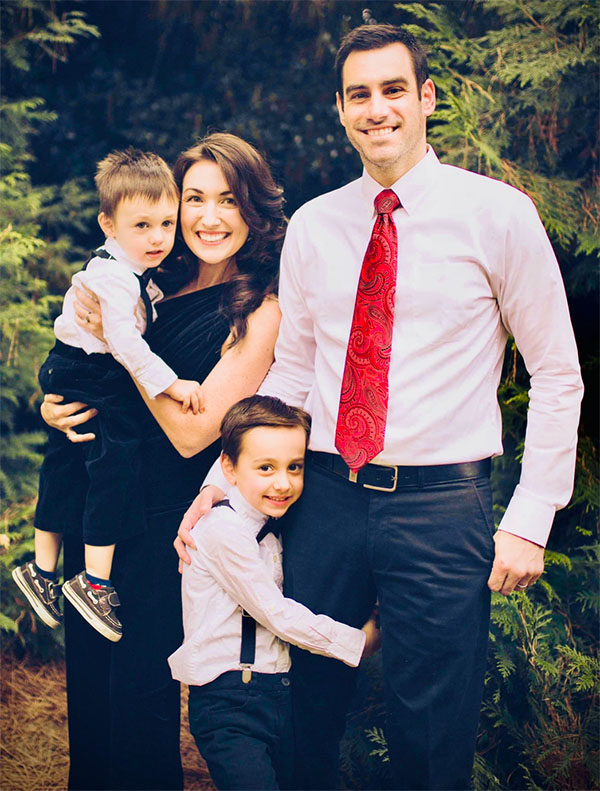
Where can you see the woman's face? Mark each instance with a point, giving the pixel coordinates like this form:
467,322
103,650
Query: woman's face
211,222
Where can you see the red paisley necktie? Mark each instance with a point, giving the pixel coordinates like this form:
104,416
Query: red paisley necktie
360,430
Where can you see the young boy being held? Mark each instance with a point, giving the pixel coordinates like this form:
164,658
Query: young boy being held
235,616
98,482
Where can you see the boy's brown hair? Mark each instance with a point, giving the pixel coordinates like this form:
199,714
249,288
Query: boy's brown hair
131,173
254,412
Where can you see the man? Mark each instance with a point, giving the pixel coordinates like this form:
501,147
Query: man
398,359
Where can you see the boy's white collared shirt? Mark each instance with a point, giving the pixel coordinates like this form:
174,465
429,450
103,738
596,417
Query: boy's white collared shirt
123,318
230,570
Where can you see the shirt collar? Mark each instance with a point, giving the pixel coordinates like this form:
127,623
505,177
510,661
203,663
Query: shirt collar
248,513
115,249
410,188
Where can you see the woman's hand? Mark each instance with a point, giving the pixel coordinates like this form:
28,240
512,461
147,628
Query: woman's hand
64,417
88,314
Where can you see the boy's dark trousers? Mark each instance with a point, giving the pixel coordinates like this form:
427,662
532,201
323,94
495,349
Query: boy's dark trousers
244,731
98,481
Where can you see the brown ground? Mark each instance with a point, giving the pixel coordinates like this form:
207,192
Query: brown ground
33,758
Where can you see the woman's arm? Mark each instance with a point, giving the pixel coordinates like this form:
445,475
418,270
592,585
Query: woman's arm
238,374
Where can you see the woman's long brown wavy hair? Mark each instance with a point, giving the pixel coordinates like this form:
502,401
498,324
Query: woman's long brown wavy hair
260,201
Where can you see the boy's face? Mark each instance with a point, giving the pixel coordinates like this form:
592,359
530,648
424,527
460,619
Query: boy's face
145,230
270,469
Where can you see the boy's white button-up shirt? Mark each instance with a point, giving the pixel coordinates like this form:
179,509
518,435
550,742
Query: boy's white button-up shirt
123,318
230,571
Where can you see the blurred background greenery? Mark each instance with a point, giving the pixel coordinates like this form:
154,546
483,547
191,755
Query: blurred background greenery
518,87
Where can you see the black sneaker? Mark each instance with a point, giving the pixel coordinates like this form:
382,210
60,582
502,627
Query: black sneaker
40,592
96,605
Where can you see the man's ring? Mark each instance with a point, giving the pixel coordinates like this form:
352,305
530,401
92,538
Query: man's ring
87,318
521,587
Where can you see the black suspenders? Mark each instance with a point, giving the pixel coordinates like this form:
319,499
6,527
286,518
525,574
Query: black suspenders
142,279
248,647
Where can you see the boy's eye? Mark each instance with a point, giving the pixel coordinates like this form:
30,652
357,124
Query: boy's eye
296,467
168,223
141,225
265,468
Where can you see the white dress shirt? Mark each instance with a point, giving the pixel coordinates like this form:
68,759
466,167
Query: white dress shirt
230,571
123,318
474,265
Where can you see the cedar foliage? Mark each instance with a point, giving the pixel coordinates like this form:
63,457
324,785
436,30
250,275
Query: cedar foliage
517,85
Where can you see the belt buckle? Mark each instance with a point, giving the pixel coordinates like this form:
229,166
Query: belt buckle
353,477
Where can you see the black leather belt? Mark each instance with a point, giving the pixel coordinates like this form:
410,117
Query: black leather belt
389,478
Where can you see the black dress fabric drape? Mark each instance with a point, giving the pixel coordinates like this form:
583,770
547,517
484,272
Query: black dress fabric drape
123,705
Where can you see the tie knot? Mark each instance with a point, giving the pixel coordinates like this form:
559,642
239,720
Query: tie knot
386,202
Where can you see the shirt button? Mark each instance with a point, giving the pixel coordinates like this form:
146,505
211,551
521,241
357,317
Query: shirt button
285,681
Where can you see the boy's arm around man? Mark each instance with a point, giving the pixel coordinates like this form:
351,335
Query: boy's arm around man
228,561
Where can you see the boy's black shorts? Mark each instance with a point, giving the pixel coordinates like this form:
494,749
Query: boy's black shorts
92,489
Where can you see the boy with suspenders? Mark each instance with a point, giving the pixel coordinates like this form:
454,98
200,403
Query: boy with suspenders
237,622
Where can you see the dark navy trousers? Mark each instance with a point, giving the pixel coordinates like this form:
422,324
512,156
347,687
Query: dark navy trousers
244,731
97,483
426,553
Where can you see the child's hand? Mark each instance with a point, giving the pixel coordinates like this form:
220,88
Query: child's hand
188,393
373,642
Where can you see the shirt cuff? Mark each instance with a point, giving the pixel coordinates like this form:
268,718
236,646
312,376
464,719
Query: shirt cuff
348,644
156,381
528,518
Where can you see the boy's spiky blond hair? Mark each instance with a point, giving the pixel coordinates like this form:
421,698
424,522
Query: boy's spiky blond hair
131,173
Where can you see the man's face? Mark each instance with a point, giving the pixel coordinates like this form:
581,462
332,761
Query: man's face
384,117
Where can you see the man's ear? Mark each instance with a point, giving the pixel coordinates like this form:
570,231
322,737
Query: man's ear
228,469
428,97
340,108
105,222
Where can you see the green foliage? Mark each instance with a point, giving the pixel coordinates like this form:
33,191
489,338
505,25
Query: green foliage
35,250
29,26
517,83
540,714
518,101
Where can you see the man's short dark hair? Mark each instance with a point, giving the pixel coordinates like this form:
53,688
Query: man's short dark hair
368,37
254,412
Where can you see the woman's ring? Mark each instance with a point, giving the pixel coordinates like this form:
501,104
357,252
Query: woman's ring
87,318
521,587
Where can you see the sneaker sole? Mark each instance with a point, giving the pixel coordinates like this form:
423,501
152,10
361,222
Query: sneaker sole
39,609
94,622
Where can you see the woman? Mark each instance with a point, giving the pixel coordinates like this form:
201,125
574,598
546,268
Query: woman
218,325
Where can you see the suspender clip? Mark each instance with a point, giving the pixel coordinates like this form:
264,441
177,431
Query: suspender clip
246,674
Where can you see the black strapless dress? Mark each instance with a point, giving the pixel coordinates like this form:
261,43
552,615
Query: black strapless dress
123,704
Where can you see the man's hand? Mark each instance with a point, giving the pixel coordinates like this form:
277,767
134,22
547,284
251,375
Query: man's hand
201,505
517,563
373,641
